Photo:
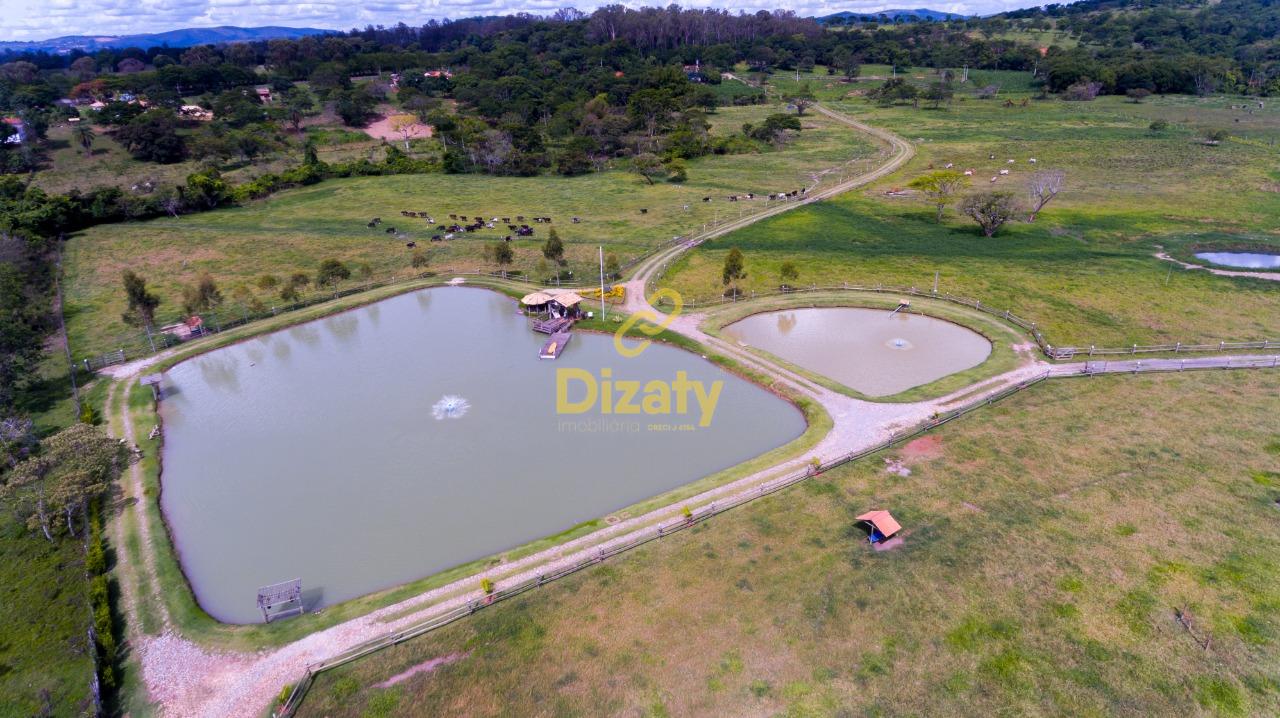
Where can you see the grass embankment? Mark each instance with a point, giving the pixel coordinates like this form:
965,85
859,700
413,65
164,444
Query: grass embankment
1002,336
170,584
1083,269
294,230
1050,540
46,667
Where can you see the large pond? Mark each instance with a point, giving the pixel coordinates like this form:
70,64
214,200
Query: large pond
388,443
1244,260
867,350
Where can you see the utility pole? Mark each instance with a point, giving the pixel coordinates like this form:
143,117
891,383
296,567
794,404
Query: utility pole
603,311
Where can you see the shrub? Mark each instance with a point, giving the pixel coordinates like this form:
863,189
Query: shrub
419,259
1158,125
1083,91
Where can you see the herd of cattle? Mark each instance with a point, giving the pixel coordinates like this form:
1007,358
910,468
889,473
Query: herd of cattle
461,223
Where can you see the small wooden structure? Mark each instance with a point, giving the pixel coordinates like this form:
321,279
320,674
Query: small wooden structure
153,381
281,599
555,345
553,325
882,524
536,302
565,304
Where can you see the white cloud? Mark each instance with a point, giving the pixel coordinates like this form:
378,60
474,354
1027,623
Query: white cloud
39,19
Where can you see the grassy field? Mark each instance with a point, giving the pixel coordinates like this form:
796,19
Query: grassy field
1040,576
110,164
1084,269
45,663
295,230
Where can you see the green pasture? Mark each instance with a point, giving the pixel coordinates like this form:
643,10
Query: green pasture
1084,269
294,230
1051,543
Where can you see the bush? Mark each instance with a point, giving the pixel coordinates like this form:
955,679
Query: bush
1158,125
486,585
1083,91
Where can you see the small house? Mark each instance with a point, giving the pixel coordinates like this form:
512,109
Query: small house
189,328
882,525
19,131
565,304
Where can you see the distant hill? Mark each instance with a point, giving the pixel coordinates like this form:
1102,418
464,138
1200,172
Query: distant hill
185,37
916,15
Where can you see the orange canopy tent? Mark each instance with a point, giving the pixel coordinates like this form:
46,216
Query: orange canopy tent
883,525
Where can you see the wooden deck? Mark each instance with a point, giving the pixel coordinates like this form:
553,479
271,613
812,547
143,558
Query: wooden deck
555,345
552,326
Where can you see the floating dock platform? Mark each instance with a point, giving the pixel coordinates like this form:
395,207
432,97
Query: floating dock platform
555,345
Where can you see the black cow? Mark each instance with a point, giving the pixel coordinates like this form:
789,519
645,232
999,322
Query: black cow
410,245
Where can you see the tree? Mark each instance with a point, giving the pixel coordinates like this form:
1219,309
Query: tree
355,107
297,105
203,296
938,93
991,210
142,302
501,254
1044,186
84,136
940,187
1137,94
611,265
73,467
894,90
648,166
1215,137
332,271
788,273
407,127
418,259
553,249
83,69
733,270
153,136
803,98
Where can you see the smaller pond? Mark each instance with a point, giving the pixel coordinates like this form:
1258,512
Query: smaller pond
867,350
1243,260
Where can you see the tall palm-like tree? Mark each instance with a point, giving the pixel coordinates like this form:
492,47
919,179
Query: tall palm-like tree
84,136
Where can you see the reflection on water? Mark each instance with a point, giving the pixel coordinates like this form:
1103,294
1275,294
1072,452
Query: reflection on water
867,350
1244,260
343,327
331,466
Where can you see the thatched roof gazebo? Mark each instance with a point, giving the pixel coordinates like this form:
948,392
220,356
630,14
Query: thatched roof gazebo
536,302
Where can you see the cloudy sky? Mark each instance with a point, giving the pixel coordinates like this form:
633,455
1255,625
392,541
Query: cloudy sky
40,19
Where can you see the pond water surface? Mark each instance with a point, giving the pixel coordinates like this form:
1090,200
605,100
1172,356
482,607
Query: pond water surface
867,350
391,442
1244,260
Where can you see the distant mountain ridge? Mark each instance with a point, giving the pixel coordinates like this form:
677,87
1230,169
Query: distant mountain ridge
909,15
184,37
